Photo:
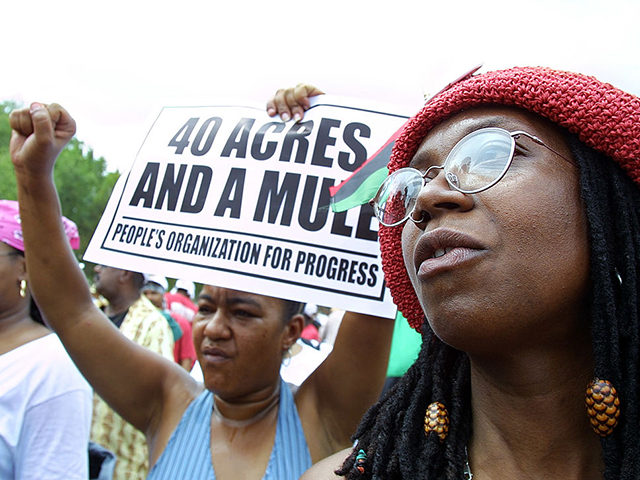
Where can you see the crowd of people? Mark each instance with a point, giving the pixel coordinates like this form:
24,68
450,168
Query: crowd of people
510,241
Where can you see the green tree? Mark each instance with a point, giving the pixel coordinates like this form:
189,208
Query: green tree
82,180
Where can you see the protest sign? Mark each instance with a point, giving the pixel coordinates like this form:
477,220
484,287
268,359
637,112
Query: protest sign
226,195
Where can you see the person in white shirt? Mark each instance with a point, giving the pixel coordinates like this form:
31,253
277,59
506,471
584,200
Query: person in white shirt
45,403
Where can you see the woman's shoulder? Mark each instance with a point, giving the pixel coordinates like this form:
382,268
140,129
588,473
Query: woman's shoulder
52,364
39,371
325,469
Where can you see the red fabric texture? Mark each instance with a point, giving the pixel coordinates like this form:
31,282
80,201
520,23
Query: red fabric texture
184,347
604,117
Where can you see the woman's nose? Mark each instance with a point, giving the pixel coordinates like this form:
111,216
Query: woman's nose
217,326
437,197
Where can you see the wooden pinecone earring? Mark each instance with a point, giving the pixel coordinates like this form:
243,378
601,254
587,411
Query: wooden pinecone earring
436,420
603,406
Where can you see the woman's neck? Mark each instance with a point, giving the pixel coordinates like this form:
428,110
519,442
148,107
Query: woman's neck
240,413
18,328
529,416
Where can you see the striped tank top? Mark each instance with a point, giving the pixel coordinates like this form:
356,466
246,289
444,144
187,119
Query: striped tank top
188,453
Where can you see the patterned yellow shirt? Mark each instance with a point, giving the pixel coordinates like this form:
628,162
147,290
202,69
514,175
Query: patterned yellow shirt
147,327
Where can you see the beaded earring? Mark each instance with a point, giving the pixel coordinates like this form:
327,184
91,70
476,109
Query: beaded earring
23,288
436,420
603,406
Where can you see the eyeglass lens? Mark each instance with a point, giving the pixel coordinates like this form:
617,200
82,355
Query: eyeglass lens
474,164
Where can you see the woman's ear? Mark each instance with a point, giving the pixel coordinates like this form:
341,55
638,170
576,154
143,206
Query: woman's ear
292,331
21,267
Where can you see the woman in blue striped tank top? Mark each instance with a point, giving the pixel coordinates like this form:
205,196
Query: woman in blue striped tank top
244,422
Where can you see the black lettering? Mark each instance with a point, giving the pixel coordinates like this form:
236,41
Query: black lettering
117,231
308,203
171,240
342,270
298,134
332,268
140,231
324,140
232,244
170,188
363,230
267,255
195,245
235,187
286,259
255,253
270,148
146,186
353,269
311,261
197,148
269,192
362,274
146,241
300,260
130,235
181,139
373,279
275,258
360,153
179,240
200,176
224,246
339,227
214,254
321,266
160,238
244,252
241,130
125,229
205,244
187,243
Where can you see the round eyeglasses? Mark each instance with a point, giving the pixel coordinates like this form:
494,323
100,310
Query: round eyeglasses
476,163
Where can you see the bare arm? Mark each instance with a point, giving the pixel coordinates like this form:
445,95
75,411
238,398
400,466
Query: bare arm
341,390
130,378
326,467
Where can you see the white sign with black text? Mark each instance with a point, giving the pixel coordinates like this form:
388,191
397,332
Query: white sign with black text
227,195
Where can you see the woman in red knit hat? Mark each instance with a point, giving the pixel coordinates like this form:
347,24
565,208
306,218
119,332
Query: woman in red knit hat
510,239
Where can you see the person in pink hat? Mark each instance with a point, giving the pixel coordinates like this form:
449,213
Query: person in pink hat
510,238
45,403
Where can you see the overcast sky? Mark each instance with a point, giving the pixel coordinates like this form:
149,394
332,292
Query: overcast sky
114,64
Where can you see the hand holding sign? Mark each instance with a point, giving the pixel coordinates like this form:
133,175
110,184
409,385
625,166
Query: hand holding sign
292,102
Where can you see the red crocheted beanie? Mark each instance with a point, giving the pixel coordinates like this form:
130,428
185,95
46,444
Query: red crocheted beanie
604,118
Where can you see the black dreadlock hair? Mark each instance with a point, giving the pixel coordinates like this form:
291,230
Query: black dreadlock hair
391,433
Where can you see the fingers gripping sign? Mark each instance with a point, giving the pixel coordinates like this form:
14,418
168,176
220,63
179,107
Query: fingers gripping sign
292,102
39,134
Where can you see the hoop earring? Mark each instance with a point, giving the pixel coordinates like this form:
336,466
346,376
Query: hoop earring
603,406
23,288
436,419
